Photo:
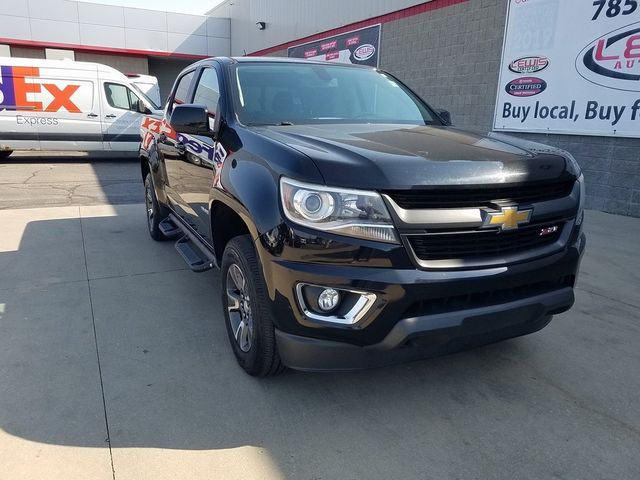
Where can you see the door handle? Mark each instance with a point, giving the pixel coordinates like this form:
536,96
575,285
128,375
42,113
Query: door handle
92,115
111,115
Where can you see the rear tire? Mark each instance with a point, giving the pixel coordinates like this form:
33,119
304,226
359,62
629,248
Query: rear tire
248,319
155,212
4,154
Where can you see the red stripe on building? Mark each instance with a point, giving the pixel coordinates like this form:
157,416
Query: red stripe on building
389,17
96,49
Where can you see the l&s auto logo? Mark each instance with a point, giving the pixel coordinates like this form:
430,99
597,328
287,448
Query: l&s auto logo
613,60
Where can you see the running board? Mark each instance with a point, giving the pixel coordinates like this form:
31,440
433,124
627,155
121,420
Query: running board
193,252
169,229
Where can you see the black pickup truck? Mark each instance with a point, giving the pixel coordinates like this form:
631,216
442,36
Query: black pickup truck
353,226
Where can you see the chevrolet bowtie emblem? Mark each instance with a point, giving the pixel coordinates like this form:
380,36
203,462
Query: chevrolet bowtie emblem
508,219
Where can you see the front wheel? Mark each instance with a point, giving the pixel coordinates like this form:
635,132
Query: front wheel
247,317
155,212
4,154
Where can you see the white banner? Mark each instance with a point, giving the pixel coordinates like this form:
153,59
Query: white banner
571,66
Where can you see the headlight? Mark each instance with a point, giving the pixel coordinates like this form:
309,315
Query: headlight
580,215
356,213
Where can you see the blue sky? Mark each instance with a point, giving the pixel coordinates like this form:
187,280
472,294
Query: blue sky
197,7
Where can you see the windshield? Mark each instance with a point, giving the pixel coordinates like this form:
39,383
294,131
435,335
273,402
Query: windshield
145,96
276,94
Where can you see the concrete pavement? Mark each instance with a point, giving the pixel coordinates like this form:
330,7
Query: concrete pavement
115,363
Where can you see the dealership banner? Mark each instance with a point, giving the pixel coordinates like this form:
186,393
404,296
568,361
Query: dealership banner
571,66
359,46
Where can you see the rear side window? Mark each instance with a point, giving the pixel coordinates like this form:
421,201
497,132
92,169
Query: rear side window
182,90
119,96
208,90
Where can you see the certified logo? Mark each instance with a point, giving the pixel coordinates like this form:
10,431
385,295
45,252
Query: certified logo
526,87
364,52
529,64
613,60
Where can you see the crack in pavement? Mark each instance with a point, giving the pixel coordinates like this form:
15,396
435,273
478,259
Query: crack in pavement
614,300
95,338
578,402
35,173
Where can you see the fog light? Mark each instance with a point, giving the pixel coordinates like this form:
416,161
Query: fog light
333,305
328,299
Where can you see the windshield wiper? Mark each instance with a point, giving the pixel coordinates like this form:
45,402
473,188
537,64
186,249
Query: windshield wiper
285,124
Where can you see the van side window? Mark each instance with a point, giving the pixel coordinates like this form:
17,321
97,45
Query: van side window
208,90
119,96
182,90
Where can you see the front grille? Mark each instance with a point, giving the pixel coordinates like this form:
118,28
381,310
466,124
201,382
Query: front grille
480,243
478,196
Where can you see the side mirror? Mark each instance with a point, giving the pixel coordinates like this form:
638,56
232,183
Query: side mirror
191,119
445,116
141,107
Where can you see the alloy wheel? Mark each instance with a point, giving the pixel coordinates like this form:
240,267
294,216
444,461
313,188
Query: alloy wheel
239,307
148,200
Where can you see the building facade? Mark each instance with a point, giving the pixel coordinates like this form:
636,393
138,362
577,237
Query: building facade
449,51
132,40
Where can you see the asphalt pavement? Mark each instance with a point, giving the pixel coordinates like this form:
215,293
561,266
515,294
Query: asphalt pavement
70,178
115,363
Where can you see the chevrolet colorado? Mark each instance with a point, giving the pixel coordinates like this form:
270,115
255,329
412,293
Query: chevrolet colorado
353,225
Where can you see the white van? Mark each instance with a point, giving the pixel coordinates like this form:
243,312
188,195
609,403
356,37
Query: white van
65,105
148,84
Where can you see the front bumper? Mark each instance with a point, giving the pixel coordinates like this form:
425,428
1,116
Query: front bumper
430,335
418,313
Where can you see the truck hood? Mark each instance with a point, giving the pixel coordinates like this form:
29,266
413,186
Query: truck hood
386,156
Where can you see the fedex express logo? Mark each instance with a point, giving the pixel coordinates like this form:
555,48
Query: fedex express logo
21,90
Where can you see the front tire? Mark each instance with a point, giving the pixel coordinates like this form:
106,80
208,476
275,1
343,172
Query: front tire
4,154
155,212
247,317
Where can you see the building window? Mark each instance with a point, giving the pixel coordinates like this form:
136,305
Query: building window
58,54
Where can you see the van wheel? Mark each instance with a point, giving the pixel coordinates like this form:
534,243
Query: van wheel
155,212
247,317
4,154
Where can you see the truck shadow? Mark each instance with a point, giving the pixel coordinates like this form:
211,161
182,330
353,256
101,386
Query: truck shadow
73,291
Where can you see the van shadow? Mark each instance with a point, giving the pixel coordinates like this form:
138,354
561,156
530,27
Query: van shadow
170,380
31,180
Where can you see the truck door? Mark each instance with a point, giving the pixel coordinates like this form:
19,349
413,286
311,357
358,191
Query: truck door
197,163
120,116
173,152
